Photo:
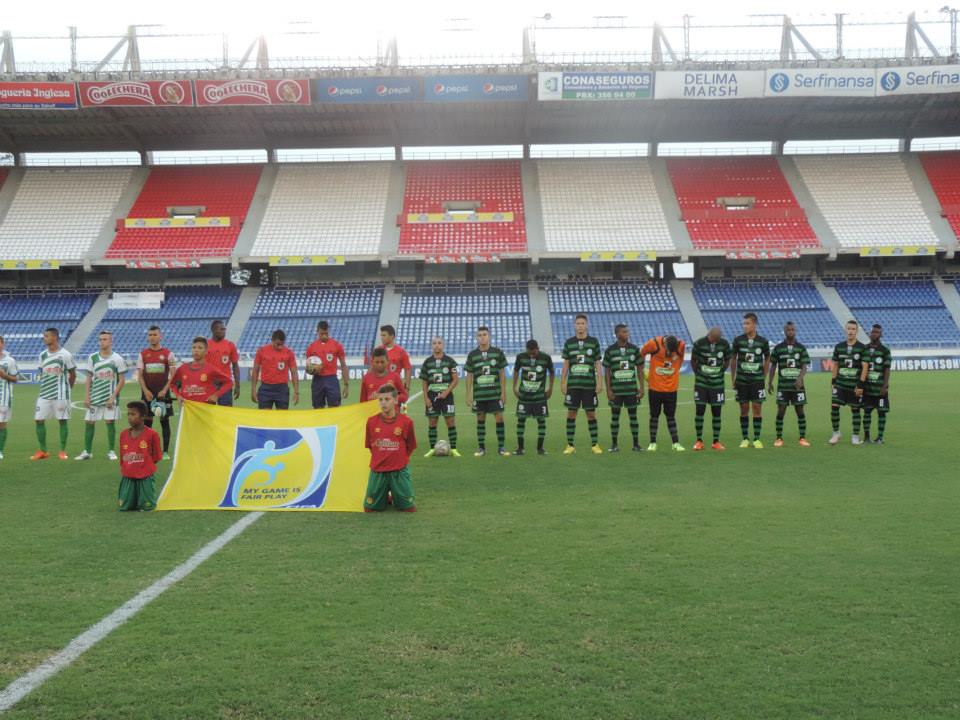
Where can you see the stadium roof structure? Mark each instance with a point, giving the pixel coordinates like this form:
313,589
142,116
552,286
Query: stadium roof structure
530,121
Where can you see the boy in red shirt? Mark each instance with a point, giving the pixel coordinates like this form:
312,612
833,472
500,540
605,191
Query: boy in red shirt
274,366
391,440
223,354
378,376
199,380
325,390
397,358
139,454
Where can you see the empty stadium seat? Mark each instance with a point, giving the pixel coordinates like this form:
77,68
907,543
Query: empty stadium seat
866,199
591,205
327,209
699,182
59,213
943,171
223,190
495,184
25,315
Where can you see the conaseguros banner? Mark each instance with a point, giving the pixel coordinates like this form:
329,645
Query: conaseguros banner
253,92
136,93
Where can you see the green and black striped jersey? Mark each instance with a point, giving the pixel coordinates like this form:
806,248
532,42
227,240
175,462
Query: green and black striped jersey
750,354
9,366
711,362
582,355
789,361
485,367
438,373
849,361
105,373
534,374
55,370
878,361
625,363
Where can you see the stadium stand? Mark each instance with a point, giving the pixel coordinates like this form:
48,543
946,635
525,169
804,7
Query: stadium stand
943,171
331,208
911,312
601,205
866,199
493,186
649,309
185,313
353,313
25,315
455,312
221,190
58,213
739,203
723,305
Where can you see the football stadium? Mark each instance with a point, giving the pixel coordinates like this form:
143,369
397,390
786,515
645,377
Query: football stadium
544,365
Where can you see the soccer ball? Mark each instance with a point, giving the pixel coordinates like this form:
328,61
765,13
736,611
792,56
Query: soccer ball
313,364
158,408
442,448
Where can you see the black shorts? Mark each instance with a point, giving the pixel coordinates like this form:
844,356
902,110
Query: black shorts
444,407
273,396
791,397
532,409
662,400
844,396
709,396
880,403
581,398
627,401
168,401
487,406
750,392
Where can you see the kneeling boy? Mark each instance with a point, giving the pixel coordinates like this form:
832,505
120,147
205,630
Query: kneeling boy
140,451
391,441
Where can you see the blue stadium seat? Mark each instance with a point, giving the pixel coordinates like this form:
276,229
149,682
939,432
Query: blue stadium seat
25,315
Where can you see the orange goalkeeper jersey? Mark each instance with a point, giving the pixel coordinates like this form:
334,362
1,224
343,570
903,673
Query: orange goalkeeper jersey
664,373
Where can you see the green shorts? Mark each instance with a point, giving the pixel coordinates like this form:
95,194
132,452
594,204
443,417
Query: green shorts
136,494
397,483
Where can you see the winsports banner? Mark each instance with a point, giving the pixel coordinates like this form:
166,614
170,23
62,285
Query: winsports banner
245,459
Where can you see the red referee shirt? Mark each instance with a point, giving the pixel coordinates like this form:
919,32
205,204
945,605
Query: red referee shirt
139,455
329,352
372,382
397,359
275,365
200,381
222,353
391,442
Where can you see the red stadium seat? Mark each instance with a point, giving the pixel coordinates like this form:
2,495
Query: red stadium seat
943,171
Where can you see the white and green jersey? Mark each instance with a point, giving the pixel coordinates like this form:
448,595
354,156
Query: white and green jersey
54,374
9,366
105,373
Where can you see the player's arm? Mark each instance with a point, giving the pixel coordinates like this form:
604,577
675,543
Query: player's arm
345,373
804,366
516,378
140,379
550,380
254,377
425,392
503,386
454,381
72,376
640,366
886,378
235,368
225,384
174,384
4,375
411,438
294,378
607,375
563,376
171,371
156,449
121,381
598,374
407,371
771,372
766,360
469,388
864,369
733,366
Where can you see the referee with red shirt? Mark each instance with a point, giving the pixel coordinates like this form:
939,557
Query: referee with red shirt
274,366
325,390
223,353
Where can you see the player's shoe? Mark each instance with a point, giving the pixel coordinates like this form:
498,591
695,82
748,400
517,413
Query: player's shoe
84,456
652,447
480,453
613,449
1,456
804,442
111,455
866,438
636,448
569,450
63,455
718,446
519,451
835,438
596,450
541,451
744,443
875,441
698,445
678,447
430,453
166,456
758,444
855,440
778,442
455,453
40,455
503,452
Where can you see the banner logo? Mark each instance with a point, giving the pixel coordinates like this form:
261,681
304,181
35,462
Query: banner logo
890,81
779,82
280,468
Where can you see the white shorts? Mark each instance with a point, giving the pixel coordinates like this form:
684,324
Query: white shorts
5,414
101,412
52,409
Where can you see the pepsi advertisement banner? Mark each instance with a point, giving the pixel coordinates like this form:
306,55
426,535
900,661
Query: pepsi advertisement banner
344,91
475,88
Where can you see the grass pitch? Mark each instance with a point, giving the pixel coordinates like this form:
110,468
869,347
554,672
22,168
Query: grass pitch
775,583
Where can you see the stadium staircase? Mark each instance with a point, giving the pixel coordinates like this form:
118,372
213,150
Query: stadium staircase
838,307
242,311
671,208
246,239
9,183
390,233
89,324
951,298
138,176
815,218
683,292
533,210
540,319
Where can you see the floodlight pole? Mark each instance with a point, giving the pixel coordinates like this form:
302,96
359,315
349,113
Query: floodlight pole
131,61
73,49
660,43
787,50
912,48
686,37
839,17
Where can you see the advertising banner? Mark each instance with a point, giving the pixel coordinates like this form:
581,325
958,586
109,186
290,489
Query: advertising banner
368,90
595,86
29,264
821,82
306,260
253,92
709,85
136,93
432,218
618,256
895,250
475,88
38,95
178,222
452,258
918,80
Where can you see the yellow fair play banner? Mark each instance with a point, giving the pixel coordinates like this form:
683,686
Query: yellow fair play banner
618,256
29,264
296,260
177,222
246,459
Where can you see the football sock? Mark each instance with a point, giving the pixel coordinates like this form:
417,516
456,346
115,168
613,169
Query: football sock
614,424
571,430
634,425
594,434
698,420
482,433
835,418
88,432
541,431
716,421
745,427
42,436
501,434
64,433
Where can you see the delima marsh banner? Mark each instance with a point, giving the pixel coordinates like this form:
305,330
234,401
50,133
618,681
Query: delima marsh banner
285,460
